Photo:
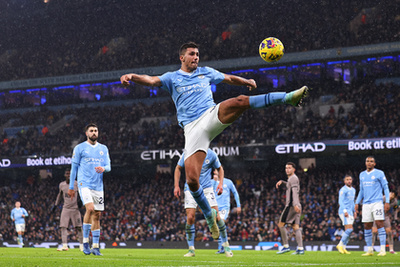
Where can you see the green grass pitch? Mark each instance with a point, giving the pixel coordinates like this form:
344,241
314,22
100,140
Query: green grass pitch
174,257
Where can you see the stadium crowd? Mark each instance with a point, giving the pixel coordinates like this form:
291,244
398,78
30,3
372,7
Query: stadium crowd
83,36
144,208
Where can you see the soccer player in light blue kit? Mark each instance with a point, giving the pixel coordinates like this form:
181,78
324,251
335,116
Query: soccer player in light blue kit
211,161
347,194
224,201
199,116
90,160
372,183
18,215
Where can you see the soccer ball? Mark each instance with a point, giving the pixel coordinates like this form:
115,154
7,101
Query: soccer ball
271,49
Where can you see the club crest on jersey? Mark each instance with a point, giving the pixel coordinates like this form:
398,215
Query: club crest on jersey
201,76
373,177
207,161
101,153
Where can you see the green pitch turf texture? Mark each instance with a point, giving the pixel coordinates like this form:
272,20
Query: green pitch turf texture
174,257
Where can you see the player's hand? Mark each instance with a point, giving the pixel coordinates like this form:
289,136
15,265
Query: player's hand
71,193
177,192
238,210
346,214
355,214
99,169
252,84
125,79
220,189
278,184
297,209
356,208
387,207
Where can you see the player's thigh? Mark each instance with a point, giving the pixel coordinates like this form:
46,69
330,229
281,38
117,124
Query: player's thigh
367,213
65,218
210,195
224,213
284,215
200,133
349,220
190,203
378,211
20,227
76,218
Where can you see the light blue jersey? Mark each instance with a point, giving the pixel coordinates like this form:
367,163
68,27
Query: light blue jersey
371,186
17,213
224,200
86,157
211,161
191,92
346,200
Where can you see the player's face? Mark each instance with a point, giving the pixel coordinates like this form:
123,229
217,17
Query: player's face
17,204
289,170
370,163
67,174
348,181
92,134
190,59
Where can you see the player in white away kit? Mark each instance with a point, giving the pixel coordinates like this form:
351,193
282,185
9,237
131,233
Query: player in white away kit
224,201
201,119
18,215
211,161
90,160
372,183
347,194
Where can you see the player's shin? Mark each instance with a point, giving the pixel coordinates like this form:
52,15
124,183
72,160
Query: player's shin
222,232
382,238
284,236
96,238
202,201
390,240
190,233
86,232
368,237
299,239
265,100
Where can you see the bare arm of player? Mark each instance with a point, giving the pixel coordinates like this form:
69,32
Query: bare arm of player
221,174
177,177
237,80
140,79
59,197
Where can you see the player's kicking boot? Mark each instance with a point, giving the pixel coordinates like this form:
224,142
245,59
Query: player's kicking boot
283,250
342,250
295,98
212,224
96,252
63,248
228,252
190,253
370,252
86,249
382,253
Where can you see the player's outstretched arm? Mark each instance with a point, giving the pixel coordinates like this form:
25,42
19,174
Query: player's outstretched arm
140,79
239,81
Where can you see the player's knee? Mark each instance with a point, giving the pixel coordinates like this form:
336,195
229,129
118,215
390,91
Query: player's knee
190,219
242,100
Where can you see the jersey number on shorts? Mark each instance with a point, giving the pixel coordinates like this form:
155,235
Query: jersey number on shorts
379,212
101,200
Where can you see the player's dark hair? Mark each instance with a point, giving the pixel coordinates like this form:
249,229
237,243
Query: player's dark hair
291,164
90,125
185,46
347,175
372,157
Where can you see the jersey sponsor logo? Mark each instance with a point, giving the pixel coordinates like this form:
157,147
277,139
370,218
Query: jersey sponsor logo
192,87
